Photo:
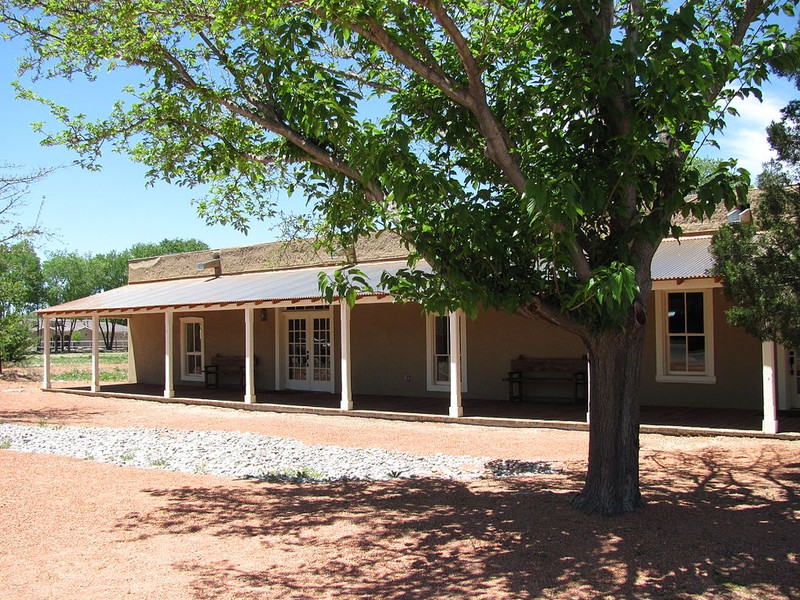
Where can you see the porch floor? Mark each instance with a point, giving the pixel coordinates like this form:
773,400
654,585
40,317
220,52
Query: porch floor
656,419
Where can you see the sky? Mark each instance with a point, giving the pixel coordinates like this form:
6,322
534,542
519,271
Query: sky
96,212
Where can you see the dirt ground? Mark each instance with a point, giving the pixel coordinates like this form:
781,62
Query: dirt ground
722,518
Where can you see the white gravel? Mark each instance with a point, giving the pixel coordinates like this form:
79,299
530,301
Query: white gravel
248,455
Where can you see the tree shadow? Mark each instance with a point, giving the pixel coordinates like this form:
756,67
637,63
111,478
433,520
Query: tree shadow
716,525
51,415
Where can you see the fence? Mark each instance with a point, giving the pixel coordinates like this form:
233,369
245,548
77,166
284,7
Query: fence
119,345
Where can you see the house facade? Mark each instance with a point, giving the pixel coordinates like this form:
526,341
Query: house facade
258,310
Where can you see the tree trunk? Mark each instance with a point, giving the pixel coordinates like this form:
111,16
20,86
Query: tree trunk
612,479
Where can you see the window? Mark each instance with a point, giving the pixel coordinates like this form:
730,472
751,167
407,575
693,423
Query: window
192,357
685,351
438,352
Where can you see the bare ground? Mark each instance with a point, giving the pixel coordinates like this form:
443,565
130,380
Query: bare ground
722,518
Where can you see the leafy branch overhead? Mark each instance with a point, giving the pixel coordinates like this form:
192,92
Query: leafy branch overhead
495,138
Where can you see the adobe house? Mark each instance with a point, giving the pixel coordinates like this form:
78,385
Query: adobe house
251,318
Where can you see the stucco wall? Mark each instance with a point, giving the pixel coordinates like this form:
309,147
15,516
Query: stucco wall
497,337
223,334
388,343
390,358
388,350
146,348
737,366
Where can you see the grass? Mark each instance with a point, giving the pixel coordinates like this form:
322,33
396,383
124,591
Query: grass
116,374
302,475
78,358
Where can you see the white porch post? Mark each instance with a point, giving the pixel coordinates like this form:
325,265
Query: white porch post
95,353
456,410
770,422
347,390
278,348
46,384
169,388
588,388
249,359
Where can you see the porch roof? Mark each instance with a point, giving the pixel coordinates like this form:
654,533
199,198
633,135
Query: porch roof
292,285
687,258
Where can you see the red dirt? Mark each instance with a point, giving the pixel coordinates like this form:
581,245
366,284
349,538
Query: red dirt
721,520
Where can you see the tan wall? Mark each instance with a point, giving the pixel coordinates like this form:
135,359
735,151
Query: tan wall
146,349
497,337
389,350
389,353
737,365
224,334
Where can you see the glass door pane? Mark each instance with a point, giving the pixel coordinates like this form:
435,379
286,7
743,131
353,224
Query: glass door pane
322,349
298,350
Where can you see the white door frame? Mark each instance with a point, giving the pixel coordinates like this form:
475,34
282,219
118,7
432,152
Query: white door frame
788,395
310,384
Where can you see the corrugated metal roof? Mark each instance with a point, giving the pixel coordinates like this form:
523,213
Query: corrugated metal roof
274,286
688,258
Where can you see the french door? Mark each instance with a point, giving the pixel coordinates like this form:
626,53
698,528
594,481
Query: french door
309,356
793,375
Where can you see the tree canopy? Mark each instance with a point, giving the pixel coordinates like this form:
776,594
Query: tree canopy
534,153
760,260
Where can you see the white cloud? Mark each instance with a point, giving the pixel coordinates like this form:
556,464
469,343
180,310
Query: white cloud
745,137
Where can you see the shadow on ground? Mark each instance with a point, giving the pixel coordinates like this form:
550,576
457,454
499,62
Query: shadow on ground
46,415
716,525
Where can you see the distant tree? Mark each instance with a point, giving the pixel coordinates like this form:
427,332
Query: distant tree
67,276
760,261
16,337
166,246
20,292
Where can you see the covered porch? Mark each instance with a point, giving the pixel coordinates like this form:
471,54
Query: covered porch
557,415
254,318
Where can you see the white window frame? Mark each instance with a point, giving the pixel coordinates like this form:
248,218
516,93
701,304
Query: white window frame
430,351
663,374
184,322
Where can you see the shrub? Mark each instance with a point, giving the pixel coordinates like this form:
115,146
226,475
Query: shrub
16,337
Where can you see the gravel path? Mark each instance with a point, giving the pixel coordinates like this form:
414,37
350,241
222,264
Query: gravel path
244,455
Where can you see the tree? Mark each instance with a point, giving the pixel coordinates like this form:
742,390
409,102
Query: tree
67,276
165,246
14,189
533,153
760,261
20,292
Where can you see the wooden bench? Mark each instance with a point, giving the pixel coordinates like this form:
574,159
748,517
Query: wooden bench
222,365
529,370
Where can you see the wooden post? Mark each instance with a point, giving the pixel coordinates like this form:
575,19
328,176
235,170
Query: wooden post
588,387
169,388
456,409
46,383
278,348
249,358
347,391
95,353
770,422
